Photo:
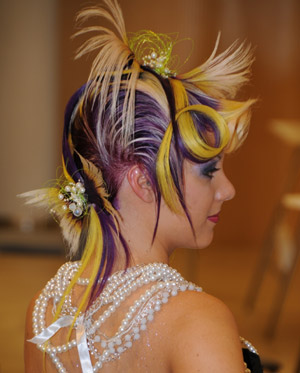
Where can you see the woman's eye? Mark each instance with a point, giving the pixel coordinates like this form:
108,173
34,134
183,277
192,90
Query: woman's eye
209,171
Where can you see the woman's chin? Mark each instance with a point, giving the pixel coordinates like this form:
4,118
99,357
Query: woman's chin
203,242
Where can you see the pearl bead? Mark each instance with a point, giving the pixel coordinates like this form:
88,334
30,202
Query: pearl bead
105,353
150,317
132,309
72,206
124,323
77,212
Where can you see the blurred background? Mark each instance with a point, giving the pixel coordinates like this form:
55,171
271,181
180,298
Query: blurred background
259,229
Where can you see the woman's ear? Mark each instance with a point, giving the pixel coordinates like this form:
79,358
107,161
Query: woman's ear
140,183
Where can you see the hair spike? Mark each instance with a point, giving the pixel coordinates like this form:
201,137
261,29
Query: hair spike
222,75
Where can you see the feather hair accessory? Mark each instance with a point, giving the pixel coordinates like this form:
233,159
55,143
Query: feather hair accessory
113,61
67,203
49,199
222,75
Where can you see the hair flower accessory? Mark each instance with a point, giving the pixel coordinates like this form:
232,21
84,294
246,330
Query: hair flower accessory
157,63
155,51
74,198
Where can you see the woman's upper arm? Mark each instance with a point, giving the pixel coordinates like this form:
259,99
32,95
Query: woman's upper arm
205,338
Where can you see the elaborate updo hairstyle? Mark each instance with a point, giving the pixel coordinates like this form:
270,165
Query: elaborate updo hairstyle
135,109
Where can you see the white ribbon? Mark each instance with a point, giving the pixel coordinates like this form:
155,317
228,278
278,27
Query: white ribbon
49,332
82,348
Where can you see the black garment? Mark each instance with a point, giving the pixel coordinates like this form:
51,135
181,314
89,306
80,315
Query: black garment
253,361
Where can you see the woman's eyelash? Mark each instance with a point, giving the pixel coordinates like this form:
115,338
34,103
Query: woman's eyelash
209,171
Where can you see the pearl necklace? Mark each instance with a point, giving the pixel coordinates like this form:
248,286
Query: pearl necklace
165,280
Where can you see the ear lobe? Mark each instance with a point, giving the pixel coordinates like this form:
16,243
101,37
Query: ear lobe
140,184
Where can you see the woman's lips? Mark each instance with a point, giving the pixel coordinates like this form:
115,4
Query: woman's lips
214,218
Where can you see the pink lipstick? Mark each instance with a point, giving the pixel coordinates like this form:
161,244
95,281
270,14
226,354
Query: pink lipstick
214,218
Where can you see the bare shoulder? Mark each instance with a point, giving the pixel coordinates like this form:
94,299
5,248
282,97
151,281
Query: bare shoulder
204,334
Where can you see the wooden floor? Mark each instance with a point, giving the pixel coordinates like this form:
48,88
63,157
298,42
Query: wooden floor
222,271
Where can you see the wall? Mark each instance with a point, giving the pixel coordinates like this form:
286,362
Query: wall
28,95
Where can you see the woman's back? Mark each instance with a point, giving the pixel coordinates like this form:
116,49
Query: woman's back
148,319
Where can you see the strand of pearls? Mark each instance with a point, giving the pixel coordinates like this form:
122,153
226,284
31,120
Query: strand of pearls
248,345
54,289
166,282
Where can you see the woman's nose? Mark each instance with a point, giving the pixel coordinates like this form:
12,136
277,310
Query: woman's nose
225,191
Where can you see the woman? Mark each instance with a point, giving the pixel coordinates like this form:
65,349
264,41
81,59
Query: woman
143,152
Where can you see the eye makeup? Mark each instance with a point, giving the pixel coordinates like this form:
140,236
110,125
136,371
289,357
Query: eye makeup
208,168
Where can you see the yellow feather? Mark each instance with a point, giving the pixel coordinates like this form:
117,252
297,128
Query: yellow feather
66,174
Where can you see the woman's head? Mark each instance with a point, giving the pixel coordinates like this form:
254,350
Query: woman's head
135,110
